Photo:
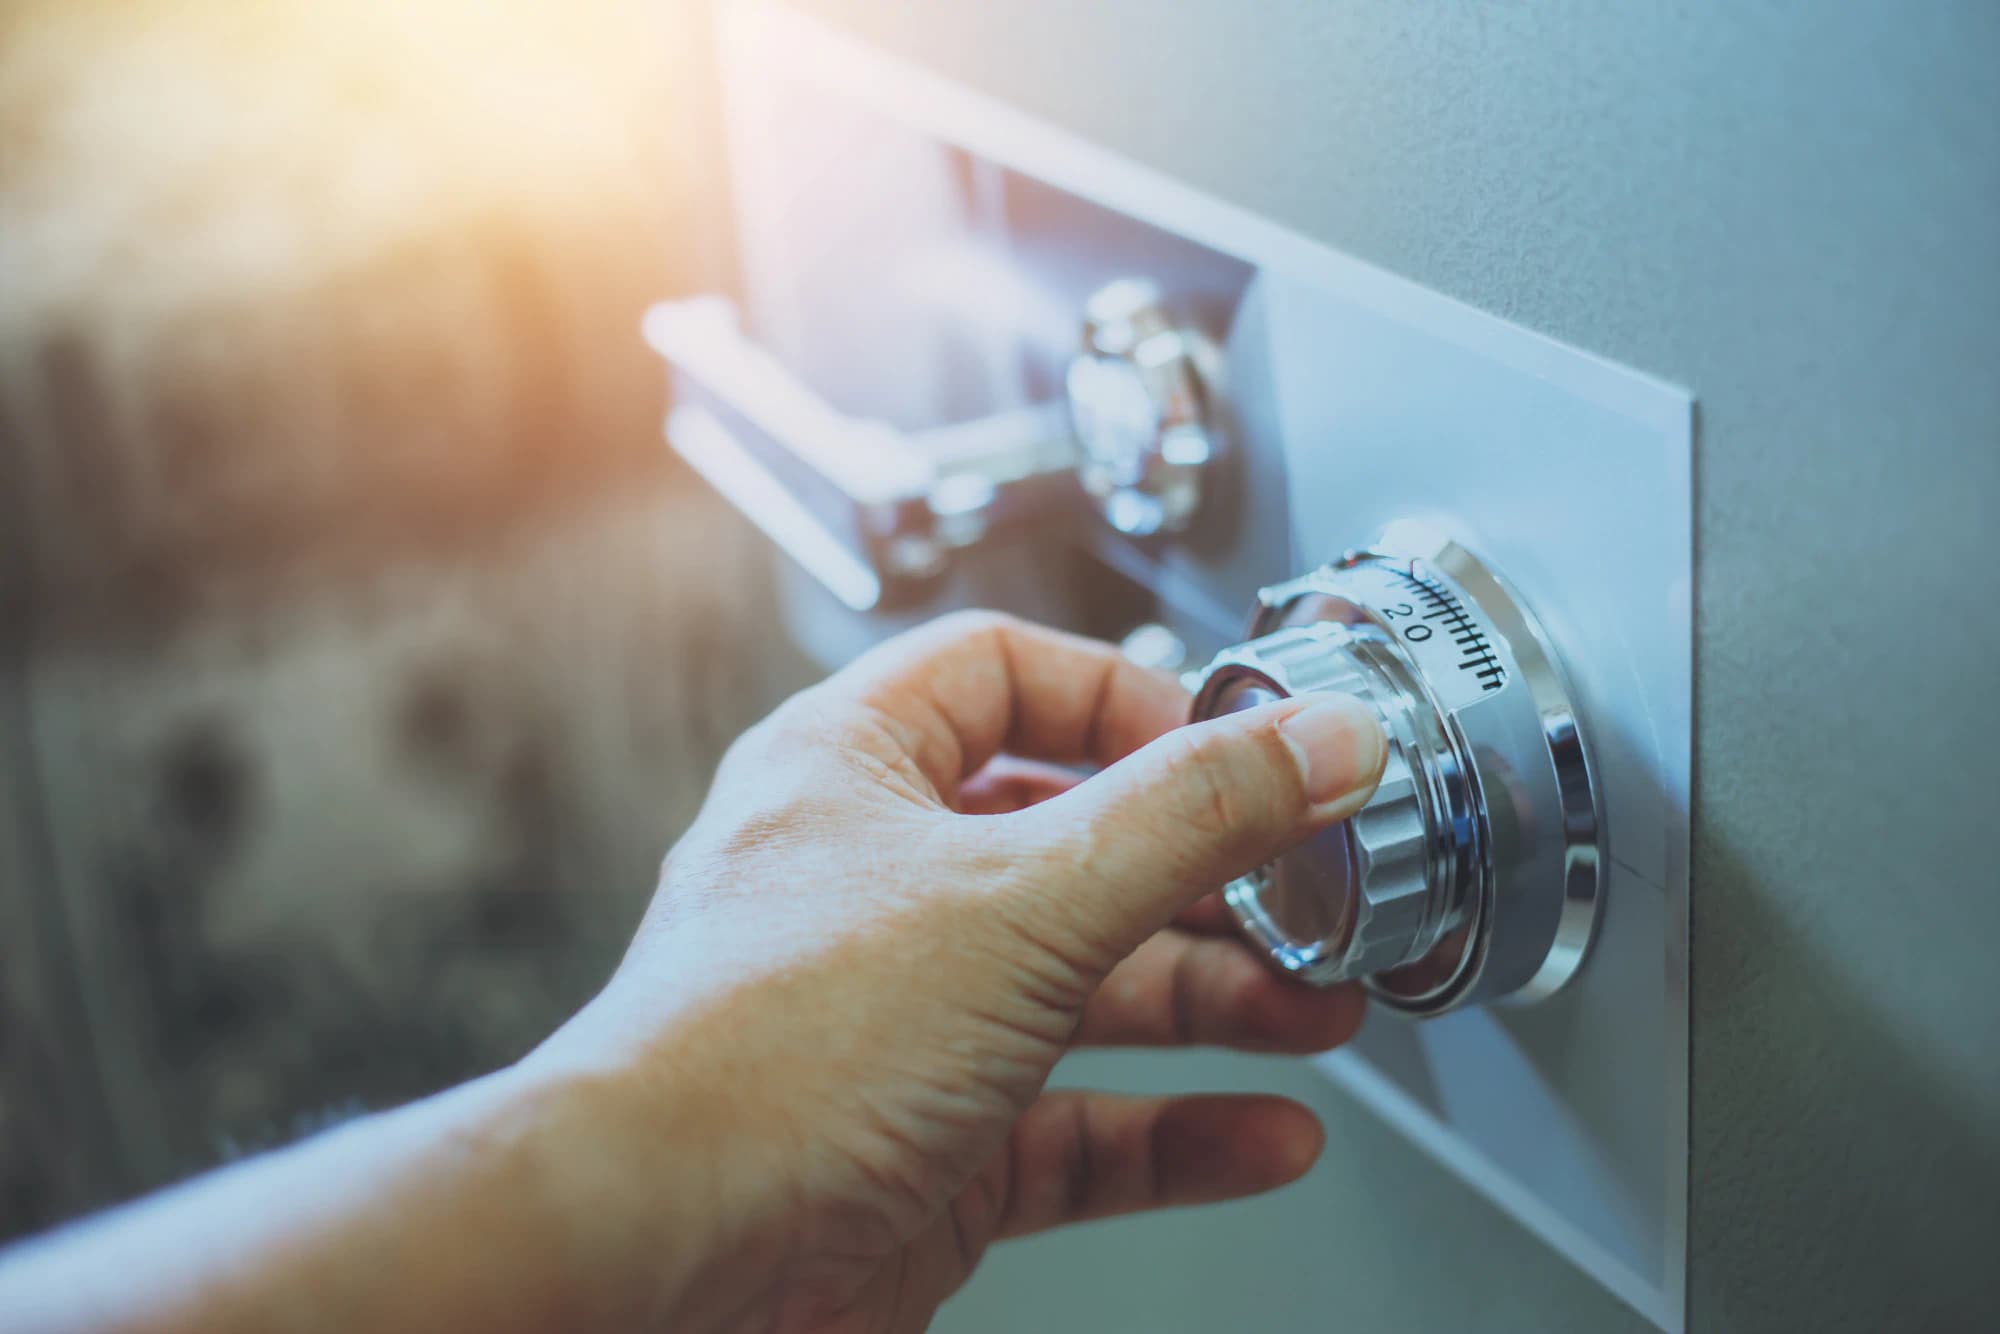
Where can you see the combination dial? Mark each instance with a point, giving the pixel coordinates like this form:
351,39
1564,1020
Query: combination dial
1473,872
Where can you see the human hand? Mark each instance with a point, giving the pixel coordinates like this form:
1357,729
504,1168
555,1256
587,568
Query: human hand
891,919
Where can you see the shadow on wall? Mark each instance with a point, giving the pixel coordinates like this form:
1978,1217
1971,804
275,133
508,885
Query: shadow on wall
363,649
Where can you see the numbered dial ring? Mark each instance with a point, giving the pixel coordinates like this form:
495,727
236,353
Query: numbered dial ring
1473,872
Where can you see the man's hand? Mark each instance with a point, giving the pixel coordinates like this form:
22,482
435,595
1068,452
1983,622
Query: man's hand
813,1093
894,915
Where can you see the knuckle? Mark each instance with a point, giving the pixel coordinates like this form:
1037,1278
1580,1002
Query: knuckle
1212,801
1216,798
1079,1163
1238,985
808,723
1184,1026
1233,794
973,623
774,729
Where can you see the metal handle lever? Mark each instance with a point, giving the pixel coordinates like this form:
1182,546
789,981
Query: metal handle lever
870,511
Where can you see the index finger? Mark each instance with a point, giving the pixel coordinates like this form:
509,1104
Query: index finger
969,685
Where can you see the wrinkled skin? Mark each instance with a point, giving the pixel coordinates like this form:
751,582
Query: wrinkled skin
813,1094
894,916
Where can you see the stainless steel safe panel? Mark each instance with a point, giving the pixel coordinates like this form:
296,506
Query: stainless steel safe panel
917,254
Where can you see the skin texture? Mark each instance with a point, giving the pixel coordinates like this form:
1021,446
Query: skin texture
813,1094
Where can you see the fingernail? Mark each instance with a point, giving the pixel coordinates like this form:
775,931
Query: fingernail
1338,744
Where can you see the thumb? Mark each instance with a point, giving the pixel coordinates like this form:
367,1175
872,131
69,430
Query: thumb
1132,846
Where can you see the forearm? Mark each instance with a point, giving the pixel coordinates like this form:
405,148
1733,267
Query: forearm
814,1092
521,1202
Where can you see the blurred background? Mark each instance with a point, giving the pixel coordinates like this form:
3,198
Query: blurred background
353,675
362,648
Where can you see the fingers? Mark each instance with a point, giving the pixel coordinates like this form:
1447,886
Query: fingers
1006,784
1207,916
1179,989
1124,852
967,686
1078,1155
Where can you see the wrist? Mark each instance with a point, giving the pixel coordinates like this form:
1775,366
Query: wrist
650,1180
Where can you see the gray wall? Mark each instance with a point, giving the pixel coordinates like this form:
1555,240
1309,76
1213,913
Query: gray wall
1792,209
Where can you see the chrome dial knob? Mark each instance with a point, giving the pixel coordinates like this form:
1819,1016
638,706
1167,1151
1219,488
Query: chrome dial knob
1140,410
1472,873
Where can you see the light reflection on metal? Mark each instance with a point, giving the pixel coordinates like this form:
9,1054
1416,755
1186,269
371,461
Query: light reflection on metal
872,512
1141,407
1473,873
